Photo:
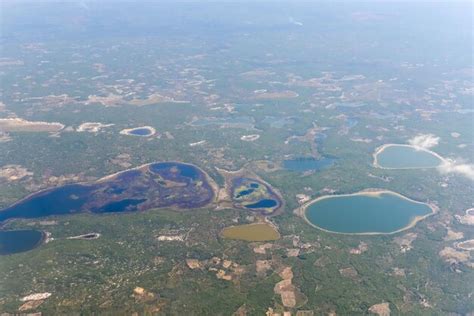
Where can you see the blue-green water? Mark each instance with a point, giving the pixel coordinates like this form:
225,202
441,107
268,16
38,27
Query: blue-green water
384,213
14,241
399,156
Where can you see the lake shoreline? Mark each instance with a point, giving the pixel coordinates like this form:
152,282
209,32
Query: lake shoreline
380,149
302,210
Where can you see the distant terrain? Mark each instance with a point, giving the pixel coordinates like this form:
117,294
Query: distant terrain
168,158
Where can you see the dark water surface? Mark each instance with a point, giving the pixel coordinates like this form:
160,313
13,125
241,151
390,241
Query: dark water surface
14,241
262,204
158,185
140,132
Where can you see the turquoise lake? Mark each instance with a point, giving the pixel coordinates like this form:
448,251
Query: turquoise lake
400,156
384,213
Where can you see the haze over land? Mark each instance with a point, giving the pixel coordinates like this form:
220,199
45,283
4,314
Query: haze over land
236,158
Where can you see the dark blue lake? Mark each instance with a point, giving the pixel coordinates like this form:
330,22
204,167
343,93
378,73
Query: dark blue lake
63,200
167,184
262,204
14,241
140,132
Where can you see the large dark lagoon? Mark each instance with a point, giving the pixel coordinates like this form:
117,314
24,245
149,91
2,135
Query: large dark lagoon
157,185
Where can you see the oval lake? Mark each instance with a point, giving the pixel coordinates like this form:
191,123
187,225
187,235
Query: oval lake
14,241
366,213
251,232
141,131
394,156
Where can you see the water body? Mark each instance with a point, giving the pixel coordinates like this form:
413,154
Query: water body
166,184
63,200
308,164
251,232
250,194
142,131
183,170
384,212
265,203
125,205
406,157
14,241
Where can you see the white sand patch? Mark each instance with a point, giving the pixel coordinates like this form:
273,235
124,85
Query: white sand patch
455,134
36,296
250,138
361,140
201,142
424,141
92,127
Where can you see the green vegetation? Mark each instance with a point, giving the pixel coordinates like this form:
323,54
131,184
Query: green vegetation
348,80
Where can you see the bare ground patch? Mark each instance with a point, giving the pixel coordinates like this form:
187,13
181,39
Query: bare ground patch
21,125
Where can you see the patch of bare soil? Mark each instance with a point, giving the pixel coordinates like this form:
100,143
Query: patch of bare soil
349,272
265,95
289,293
224,269
14,173
142,295
92,127
452,235
453,256
30,305
21,125
382,309
405,241
122,160
241,311
262,266
262,249
363,247
113,99
468,218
